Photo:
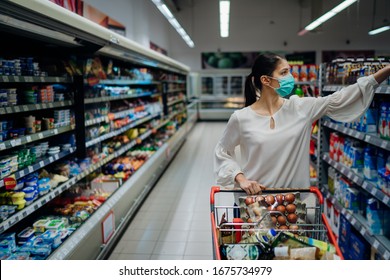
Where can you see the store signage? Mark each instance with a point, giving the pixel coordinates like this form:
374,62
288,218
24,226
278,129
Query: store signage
108,227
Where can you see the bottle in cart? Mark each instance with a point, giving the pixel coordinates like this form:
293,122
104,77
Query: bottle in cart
266,237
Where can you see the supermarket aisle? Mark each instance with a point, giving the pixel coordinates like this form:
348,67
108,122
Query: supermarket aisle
174,221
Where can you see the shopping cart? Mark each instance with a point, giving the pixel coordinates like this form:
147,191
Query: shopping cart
315,226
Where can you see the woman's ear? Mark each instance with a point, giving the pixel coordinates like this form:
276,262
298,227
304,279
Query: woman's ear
265,80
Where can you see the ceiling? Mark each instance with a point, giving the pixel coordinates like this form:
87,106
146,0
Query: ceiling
301,12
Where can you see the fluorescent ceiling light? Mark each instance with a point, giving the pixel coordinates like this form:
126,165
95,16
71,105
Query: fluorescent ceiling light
224,13
326,16
379,30
173,21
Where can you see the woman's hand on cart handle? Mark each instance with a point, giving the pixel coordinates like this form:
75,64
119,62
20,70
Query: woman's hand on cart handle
250,187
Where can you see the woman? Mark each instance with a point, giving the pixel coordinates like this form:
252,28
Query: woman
273,133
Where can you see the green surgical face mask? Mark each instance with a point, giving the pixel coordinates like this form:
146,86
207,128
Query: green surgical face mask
286,85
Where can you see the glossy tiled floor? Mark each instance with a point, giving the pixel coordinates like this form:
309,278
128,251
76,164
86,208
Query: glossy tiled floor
174,221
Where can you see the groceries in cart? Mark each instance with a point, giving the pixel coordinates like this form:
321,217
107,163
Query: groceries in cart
278,226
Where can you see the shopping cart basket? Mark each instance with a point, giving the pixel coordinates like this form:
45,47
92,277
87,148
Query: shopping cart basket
233,228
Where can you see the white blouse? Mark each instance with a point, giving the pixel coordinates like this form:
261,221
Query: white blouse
279,157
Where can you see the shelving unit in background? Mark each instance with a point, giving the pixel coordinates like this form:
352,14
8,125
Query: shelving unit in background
355,217
80,39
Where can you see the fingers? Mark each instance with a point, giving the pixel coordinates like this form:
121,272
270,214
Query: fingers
253,188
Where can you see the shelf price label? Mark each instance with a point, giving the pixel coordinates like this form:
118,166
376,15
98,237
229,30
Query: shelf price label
30,169
41,163
5,79
40,135
25,108
386,255
21,173
28,139
42,79
376,244
363,231
2,146
386,199
16,142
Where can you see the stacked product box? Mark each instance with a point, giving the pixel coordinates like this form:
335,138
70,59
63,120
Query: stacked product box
352,245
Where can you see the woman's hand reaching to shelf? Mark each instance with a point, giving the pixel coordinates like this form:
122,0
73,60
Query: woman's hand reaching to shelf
250,187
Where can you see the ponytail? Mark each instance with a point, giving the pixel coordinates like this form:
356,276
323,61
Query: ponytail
250,91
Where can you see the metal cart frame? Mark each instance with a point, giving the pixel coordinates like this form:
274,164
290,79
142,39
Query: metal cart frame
321,227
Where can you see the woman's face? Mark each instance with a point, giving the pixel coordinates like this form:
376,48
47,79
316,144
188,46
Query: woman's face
282,69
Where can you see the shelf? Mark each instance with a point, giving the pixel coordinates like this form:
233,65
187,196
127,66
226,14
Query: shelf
106,119
119,131
332,88
127,82
308,83
368,138
174,82
175,90
359,180
33,79
34,107
351,132
381,89
18,216
159,158
380,243
38,165
119,97
97,120
172,115
34,137
175,102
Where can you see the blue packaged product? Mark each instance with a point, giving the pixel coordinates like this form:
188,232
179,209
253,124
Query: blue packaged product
383,120
25,235
381,158
369,121
5,247
9,237
374,216
382,180
370,171
359,248
51,237
356,157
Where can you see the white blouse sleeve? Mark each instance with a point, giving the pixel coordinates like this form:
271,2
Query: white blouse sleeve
347,104
226,167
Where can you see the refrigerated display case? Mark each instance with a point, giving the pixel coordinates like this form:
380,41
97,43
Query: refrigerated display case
221,92
95,117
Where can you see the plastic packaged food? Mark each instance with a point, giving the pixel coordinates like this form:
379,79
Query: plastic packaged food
10,238
54,224
20,204
26,235
40,225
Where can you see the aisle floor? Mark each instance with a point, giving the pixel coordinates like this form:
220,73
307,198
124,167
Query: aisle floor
174,221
